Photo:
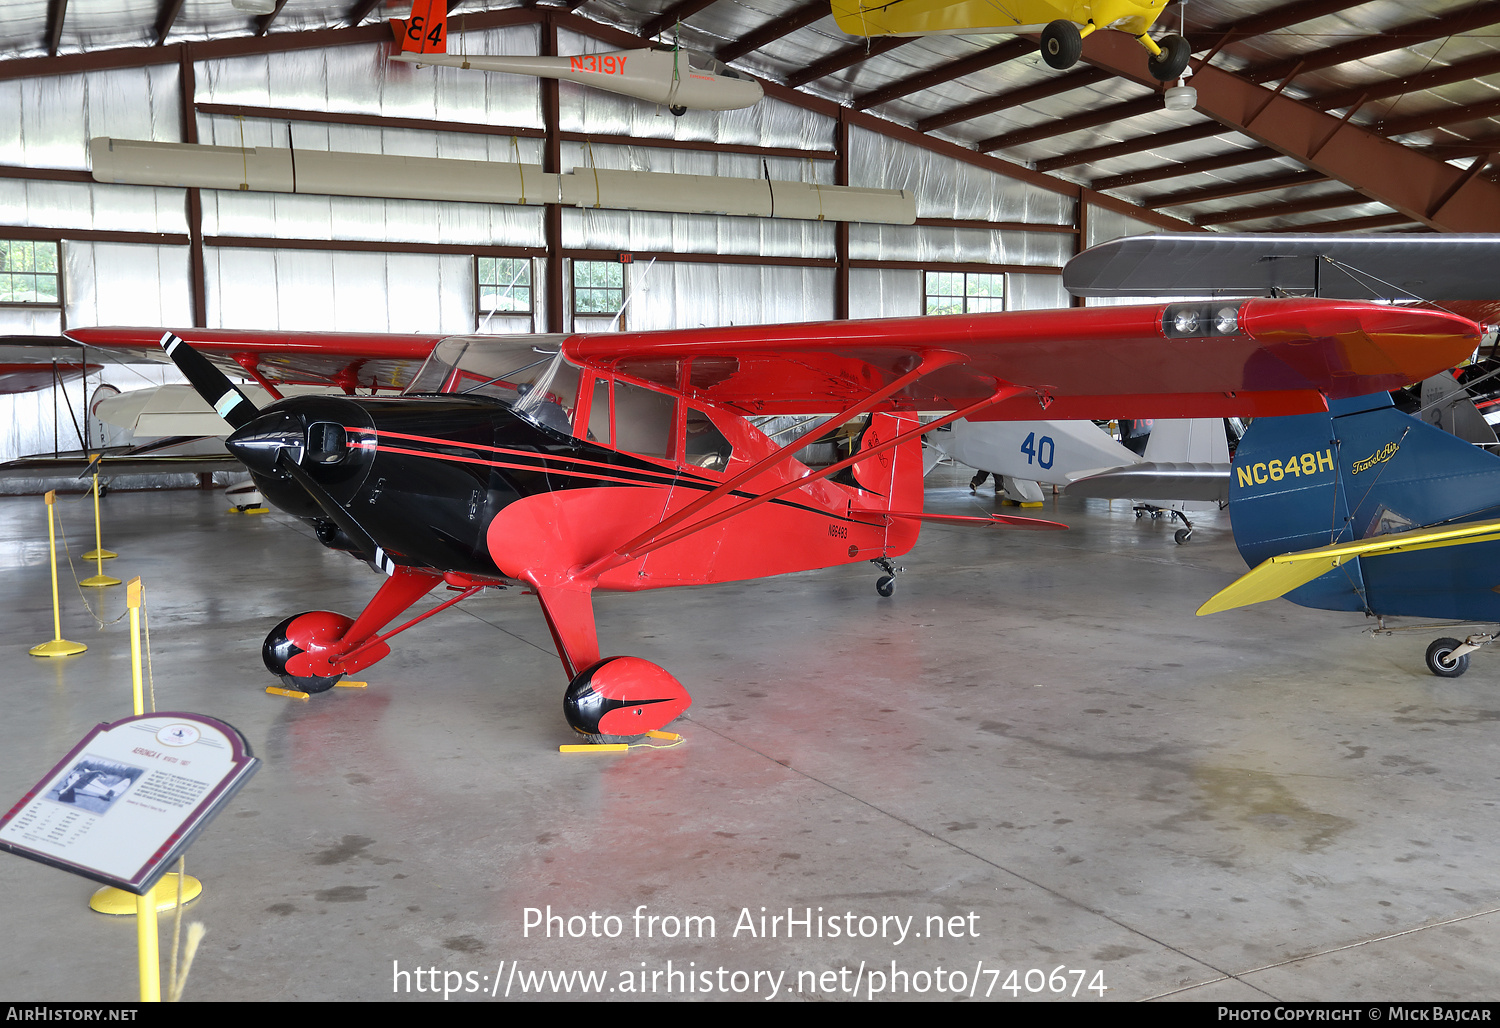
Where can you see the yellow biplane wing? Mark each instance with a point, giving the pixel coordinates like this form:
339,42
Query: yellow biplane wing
930,17
1280,575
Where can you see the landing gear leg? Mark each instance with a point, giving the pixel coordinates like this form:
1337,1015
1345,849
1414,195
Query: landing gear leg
1183,534
313,650
886,584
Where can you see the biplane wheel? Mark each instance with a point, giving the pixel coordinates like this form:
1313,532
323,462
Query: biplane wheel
297,635
886,585
1440,659
677,111
1183,535
1062,44
1173,59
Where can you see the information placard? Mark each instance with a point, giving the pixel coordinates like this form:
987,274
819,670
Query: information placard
130,797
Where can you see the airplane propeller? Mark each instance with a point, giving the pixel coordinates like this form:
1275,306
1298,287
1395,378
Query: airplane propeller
270,443
212,384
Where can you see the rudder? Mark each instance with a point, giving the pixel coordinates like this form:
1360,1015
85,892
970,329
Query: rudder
426,31
1365,469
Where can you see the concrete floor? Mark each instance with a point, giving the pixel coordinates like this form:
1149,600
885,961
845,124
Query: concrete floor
1034,742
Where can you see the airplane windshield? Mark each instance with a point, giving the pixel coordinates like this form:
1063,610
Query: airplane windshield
526,372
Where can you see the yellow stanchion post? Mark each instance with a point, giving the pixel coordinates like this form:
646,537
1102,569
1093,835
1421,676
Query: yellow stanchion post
58,647
163,896
98,554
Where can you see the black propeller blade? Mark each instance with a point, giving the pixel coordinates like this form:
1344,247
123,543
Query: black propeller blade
337,513
271,443
212,384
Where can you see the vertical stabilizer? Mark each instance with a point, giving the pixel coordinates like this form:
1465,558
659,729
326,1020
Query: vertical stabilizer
1365,469
426,31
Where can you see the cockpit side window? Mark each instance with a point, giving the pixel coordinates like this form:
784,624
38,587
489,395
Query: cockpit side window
703,444
643,420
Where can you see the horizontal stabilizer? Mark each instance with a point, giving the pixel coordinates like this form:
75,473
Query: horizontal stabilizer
1159,480
992,520
1280,575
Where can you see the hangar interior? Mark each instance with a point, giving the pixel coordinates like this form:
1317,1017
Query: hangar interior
1035,731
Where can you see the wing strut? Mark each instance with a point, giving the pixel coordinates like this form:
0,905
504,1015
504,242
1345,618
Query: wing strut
655,540
931,361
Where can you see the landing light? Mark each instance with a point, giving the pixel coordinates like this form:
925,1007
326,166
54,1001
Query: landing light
1197,320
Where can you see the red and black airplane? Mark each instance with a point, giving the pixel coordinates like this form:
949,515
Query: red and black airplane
628,461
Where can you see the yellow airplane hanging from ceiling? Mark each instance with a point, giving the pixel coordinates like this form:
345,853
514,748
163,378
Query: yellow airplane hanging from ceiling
1063,24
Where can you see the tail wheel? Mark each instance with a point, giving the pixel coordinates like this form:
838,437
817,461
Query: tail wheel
1442,662
1183,535
1173,59
885,585
291,646
1062,45
677,110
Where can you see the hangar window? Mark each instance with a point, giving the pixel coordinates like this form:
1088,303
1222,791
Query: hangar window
504,285
965,292
28,273
598,287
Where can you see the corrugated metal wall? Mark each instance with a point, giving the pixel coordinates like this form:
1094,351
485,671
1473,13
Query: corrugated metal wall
46,123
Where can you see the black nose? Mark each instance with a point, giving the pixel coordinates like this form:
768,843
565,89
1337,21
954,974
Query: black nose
261,443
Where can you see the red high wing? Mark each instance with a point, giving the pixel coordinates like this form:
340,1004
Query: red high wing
343,359
1101,362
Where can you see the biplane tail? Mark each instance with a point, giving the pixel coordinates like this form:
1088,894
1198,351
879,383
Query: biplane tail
425,31
1364,508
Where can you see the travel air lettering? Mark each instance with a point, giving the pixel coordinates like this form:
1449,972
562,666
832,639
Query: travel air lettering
1301,465
604,64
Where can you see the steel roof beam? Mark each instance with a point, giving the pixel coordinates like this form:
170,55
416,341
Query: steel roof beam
1348,224
1102,116
1233,159
1443,197
681,11
1461,72
800,17
1051,86
1007,51
1464,71
1226,190
850,55
1280,17
1403,36
1186,134
1348,198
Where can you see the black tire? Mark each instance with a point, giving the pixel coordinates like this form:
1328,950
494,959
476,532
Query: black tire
1441,662
278,649
1183,535
1173,59
886,585
1062,45
310,685
678,111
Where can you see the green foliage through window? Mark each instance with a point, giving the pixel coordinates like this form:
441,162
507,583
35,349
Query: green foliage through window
504,285
598,287
28,272
961,292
